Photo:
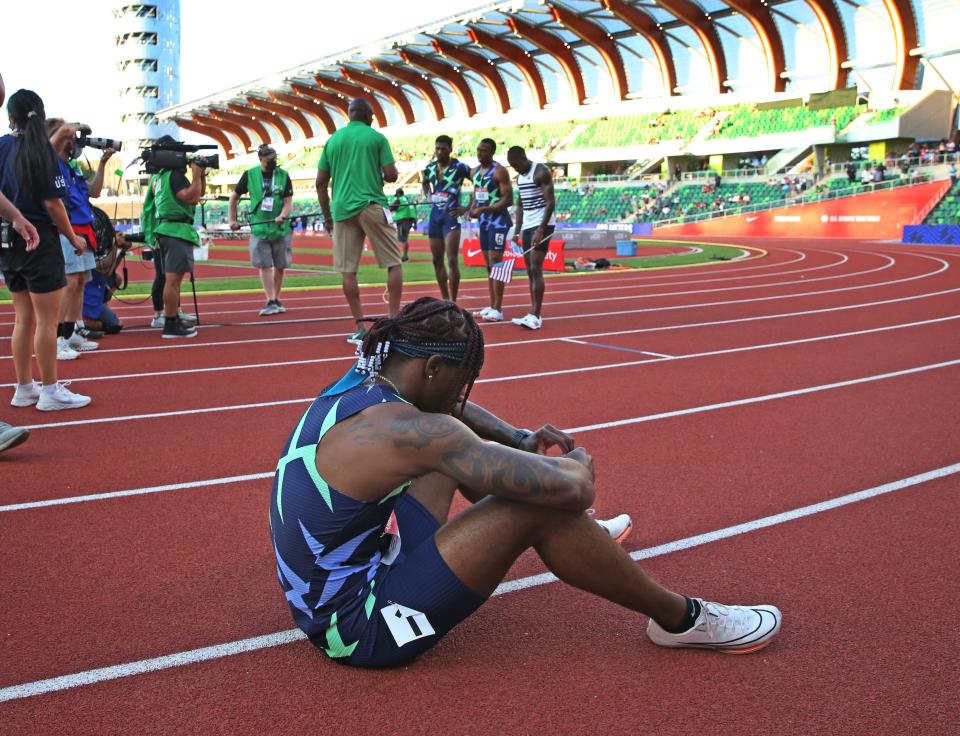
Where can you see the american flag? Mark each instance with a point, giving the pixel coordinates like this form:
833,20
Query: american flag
503,271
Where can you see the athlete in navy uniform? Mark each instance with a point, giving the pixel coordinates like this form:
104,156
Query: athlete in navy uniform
492,196
395,438
442,180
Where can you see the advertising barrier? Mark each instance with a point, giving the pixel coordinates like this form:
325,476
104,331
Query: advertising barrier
932,234
877,215
473,256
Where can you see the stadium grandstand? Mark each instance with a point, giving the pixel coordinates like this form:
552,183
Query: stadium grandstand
661,112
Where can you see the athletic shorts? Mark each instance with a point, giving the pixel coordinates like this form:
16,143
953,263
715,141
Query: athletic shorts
373,222
419,595
493,238
403,229
441,223
177,254
526,237
271,253
85,261
39,271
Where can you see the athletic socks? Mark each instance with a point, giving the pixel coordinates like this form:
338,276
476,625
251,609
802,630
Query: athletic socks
689,619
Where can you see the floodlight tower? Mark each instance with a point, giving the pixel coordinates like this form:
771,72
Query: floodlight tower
147,38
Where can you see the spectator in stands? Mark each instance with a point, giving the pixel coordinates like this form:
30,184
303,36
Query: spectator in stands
357,160
405,214
271,242
953,174
851,173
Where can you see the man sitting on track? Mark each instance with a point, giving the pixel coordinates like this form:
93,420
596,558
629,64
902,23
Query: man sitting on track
394,439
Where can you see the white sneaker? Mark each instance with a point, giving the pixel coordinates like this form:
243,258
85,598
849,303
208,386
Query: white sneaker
61,398
26,395
730,629
531,322
157,321
184,317
492,315
482,314
12,436
82,345
64,351
618,527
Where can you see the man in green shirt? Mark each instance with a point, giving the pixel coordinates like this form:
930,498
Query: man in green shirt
405,213
358,160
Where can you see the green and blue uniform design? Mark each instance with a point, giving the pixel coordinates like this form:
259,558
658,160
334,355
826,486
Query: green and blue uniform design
493,226
361,595
443,189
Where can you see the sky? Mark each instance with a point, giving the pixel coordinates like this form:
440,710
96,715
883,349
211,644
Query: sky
64,49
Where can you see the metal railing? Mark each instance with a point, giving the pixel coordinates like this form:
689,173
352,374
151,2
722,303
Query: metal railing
805,198
726,174
933,158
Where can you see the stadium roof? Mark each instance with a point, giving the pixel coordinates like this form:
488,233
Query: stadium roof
533,53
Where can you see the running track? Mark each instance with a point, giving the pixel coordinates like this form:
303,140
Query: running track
814,389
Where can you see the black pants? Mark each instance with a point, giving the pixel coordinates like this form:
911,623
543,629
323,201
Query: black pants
159,280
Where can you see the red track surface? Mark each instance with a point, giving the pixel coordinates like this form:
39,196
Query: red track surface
869,637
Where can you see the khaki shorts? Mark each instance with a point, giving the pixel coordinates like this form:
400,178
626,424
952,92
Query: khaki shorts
348,237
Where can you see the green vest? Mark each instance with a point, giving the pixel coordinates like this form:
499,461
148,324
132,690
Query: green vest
164,214
267,230
405,210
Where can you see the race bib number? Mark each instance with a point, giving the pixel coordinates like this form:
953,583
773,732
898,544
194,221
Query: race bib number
440,198
499,239
267,204
405,624
482,196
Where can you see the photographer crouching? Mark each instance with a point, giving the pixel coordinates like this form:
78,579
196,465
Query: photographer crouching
168,214
68,140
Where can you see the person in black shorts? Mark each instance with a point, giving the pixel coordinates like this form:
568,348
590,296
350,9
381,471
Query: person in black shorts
35,276
535,225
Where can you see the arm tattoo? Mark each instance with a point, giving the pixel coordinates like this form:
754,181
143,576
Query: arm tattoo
420,430
480,468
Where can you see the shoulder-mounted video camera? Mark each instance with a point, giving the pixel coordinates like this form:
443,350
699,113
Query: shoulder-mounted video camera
175,156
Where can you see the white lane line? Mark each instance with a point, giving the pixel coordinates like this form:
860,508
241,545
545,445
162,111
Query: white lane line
507,343
279,638
575,341
572,430
619,312
515,377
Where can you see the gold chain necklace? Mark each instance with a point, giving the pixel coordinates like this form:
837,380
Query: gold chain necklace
392,384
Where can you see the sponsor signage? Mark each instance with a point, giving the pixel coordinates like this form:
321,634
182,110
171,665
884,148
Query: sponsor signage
473,256
876,215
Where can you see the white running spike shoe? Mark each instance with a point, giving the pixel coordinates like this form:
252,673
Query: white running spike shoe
618,527
729,629
64,351
492,315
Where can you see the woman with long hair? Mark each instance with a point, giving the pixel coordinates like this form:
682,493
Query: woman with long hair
36,278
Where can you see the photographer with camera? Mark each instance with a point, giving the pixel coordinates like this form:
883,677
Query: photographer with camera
168,213
271,243
68,139
34,269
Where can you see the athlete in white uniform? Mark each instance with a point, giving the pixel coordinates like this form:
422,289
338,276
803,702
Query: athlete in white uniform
535,225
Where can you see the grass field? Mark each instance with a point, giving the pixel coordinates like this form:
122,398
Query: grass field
419,268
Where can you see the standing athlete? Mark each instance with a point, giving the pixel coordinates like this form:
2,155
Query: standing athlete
395,441
492,195
442,180
535,225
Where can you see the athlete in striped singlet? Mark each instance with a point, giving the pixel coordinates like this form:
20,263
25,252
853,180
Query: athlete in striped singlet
492,195
394,441
535,225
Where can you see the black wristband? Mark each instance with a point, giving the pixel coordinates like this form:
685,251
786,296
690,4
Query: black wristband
519,436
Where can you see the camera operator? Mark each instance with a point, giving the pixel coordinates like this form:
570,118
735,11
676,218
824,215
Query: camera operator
73,336
271,243
34,271
168,213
